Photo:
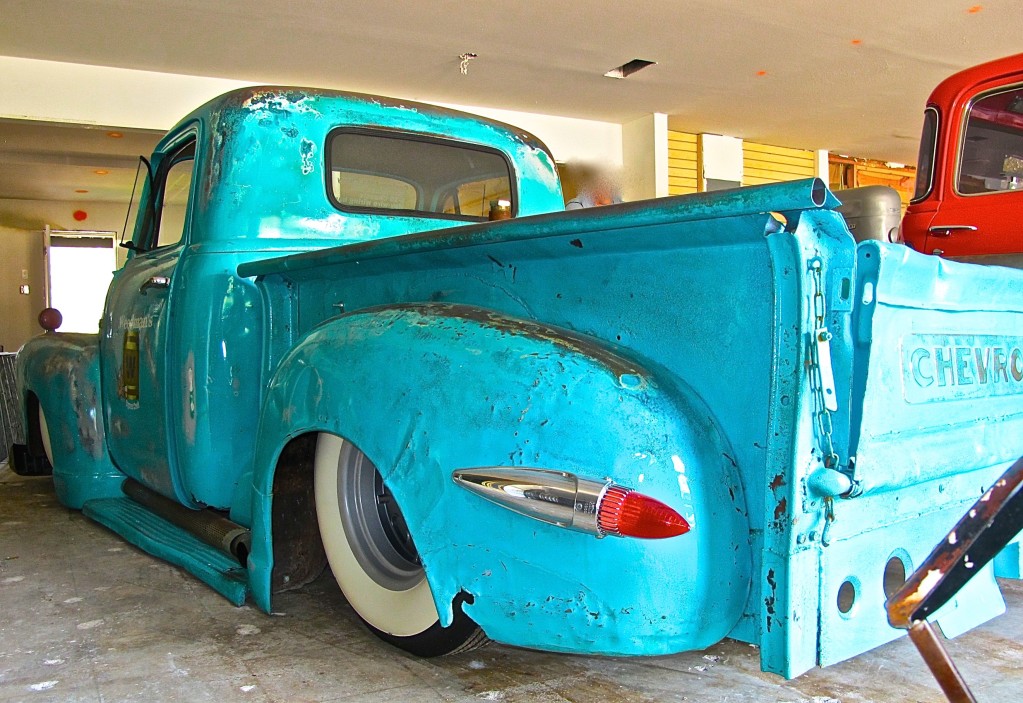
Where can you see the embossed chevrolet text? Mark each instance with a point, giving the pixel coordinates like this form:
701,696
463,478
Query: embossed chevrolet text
955,367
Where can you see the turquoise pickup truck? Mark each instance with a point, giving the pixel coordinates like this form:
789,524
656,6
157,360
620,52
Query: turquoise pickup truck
634,429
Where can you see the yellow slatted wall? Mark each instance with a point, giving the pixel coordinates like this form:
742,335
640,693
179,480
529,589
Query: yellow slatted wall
770,164
847,172
901,179
682,163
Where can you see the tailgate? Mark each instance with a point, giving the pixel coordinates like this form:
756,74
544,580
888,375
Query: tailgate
939,368
936,416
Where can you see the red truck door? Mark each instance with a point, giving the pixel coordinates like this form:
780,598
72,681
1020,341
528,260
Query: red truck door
970,176
981,215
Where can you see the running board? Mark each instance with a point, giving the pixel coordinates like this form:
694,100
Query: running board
162,539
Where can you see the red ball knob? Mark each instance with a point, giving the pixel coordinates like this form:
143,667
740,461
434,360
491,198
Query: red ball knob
50,319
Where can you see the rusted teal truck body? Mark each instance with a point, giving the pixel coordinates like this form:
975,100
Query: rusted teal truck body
329,353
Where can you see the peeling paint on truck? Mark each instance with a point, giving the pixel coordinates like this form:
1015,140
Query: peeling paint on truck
749,375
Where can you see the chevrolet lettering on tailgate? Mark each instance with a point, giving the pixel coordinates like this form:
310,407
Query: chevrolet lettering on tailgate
944,367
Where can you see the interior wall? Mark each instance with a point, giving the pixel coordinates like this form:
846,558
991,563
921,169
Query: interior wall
570,140
59,214
119,97
54,91
21,263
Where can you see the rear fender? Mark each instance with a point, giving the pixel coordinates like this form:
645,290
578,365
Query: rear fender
62,372
429,388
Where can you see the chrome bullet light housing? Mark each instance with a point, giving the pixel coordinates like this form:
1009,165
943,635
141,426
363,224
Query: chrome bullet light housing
596,507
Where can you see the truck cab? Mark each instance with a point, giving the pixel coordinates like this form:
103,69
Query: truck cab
969,189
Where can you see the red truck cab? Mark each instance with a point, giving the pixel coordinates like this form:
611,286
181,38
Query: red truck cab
969,190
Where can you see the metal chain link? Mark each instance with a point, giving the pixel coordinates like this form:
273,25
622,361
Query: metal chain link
823,419
824,424
829,517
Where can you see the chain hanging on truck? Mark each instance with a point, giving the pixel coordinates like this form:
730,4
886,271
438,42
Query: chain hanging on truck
820,367
823,384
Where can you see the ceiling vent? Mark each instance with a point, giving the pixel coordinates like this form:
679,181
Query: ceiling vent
627,69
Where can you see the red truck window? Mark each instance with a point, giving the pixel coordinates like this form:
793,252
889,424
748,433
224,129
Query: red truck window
925,160
991,156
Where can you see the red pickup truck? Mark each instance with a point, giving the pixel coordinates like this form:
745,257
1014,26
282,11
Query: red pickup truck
969,190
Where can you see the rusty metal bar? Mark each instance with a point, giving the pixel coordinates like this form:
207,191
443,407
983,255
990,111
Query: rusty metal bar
940,664
975,540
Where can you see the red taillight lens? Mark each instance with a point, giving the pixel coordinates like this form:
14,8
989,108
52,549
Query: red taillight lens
626,513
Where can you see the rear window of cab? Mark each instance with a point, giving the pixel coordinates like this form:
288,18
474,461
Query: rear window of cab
398,173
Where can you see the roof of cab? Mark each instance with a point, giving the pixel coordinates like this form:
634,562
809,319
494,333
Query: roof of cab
952,88
261,101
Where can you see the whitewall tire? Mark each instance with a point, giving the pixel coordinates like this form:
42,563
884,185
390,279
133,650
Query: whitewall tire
373,557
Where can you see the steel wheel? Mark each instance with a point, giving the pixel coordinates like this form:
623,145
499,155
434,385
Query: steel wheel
373,557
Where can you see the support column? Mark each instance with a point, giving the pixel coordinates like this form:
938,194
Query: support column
645,157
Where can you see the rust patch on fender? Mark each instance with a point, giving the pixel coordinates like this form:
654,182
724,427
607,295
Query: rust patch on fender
570,341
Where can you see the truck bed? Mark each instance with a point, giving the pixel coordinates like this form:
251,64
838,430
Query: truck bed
712,298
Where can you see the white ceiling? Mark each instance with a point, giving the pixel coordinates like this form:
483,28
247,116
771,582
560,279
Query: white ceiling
850,77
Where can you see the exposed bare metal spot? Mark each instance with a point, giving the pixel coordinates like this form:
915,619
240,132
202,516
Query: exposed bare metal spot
308,151
566,339
779,510
926,585
89,624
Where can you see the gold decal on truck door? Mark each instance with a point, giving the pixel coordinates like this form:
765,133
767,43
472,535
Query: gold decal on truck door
130,367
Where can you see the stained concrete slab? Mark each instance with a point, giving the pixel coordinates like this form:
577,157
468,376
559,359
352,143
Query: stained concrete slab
86,617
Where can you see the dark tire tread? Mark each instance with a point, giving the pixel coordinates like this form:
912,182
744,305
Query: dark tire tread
462,635
477,640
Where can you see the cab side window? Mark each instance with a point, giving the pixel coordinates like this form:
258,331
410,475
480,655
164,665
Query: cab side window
992,151
163,223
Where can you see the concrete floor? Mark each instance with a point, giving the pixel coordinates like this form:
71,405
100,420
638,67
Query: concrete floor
86,617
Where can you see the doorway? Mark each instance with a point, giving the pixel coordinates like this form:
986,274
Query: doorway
80,265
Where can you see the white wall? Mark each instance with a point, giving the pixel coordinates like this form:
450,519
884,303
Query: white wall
59,214
116,97
570,140
52,91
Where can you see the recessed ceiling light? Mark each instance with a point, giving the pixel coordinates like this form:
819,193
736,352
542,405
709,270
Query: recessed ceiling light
81,190
101,172
115,135
761,74
627,69
856,42
975,9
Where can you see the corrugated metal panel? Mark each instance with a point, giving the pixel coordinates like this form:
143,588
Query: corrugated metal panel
10,418
682,163
762,163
